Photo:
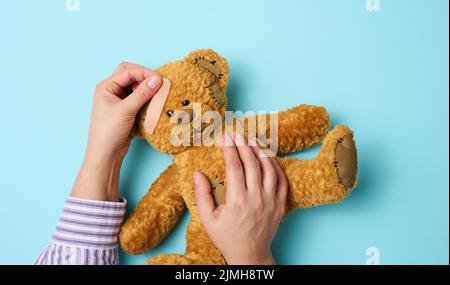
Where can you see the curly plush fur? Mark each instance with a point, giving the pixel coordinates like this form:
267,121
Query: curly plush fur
202,77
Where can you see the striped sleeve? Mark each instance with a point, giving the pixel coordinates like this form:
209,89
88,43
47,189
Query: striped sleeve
86,234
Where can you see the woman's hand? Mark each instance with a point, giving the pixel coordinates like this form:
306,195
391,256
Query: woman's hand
117,100
114,108
256,190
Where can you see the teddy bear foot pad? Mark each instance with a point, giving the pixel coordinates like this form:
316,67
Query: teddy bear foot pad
346,161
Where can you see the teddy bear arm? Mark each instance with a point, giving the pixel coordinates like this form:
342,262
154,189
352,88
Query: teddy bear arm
328,178
155,215
299,128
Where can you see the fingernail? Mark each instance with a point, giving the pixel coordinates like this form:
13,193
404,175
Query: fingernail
196,178
154,82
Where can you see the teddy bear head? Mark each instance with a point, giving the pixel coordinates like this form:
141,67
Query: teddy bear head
197,84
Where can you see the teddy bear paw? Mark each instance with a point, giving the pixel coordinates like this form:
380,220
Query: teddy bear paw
346,161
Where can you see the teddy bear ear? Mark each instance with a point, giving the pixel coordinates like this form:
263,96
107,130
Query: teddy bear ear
211,61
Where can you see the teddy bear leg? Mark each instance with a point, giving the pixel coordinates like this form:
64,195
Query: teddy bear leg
190,258
169,259
154,216
199,249
326,179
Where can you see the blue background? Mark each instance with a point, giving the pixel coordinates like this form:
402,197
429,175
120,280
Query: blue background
384,73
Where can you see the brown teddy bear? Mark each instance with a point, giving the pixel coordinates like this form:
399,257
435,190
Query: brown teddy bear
202,77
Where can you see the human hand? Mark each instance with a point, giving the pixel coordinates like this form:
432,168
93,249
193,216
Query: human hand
114,108
117,100
244,227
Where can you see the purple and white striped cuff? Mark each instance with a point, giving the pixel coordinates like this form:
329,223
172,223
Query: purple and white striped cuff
90,223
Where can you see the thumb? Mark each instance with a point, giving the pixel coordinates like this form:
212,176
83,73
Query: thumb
205,201
142,93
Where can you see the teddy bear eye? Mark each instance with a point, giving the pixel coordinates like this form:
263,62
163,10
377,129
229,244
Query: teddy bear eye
169,113
186,102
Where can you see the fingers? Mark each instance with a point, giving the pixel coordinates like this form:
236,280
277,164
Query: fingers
268,171
233,168
247,169
134,86
125,76
282,185
126,65
143,82
143,93
203,197
128,76
115,89
252,169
